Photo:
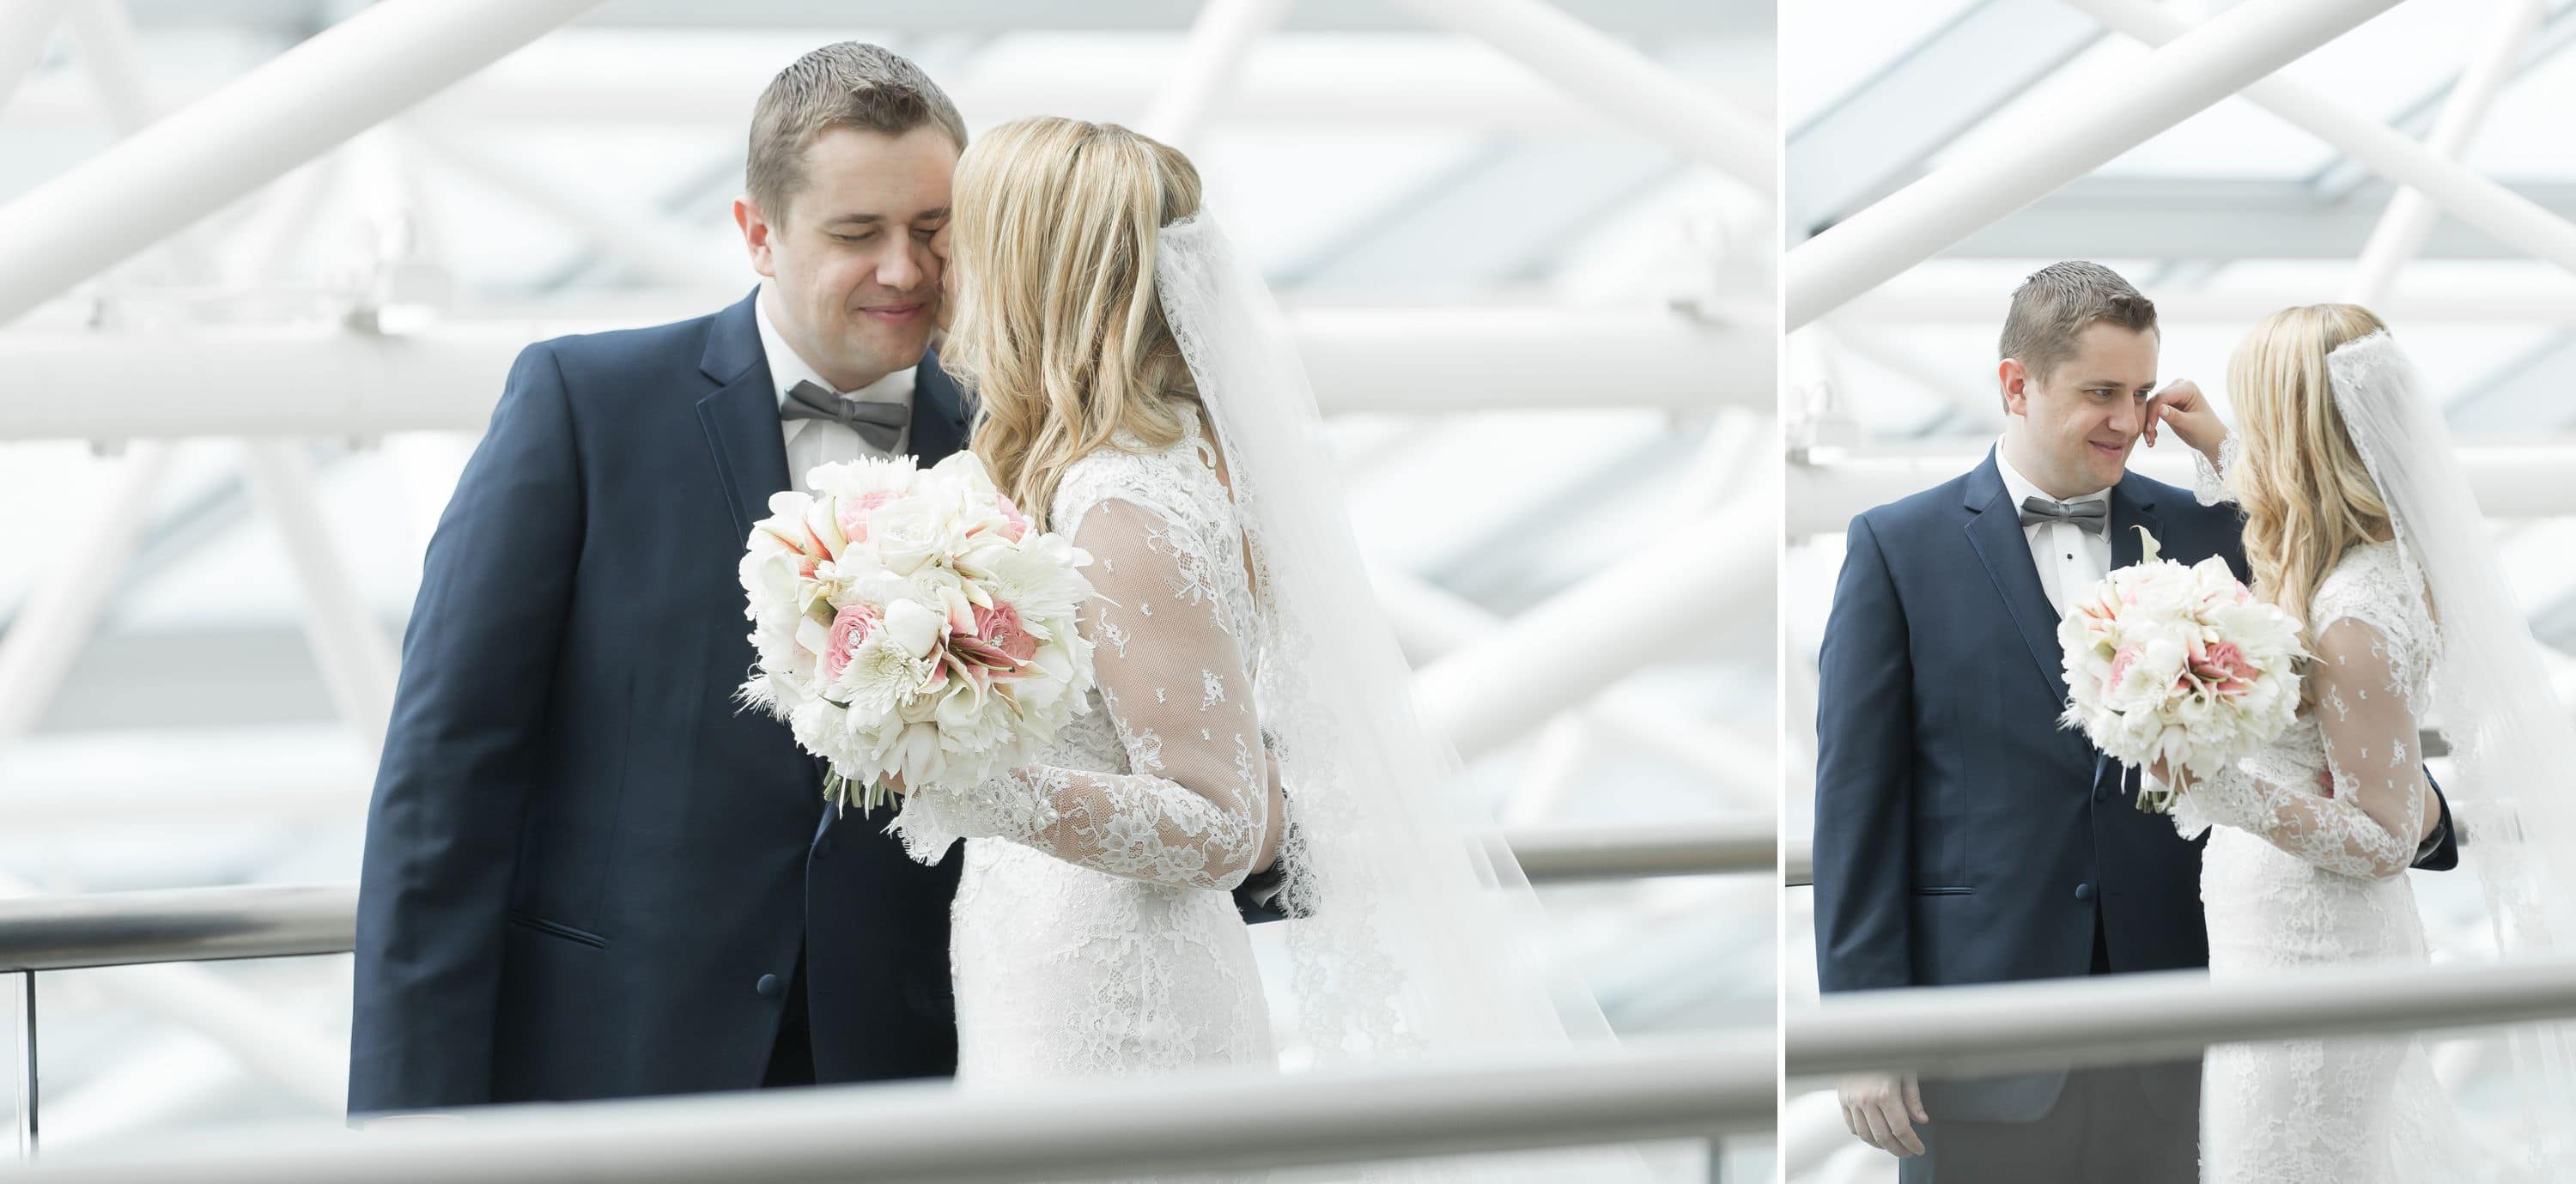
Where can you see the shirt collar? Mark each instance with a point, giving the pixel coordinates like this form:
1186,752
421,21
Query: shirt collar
2019,487
787,367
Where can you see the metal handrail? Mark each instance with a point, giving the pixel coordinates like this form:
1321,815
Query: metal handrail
1567,853
262,921
2134,1018
1698,1087
1798,864
176,925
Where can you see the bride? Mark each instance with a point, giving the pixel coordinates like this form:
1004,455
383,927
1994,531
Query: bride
1252,706
2358,524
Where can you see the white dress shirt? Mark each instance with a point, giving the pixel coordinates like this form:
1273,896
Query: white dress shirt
812,442
2069,558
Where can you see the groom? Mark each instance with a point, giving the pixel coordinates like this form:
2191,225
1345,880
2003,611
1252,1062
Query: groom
588,872
1962,836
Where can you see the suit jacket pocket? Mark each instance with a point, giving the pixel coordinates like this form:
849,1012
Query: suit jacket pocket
555,929
1942,890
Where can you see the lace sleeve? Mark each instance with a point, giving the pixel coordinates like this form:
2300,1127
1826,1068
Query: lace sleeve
1194,813
2373,824
2209,481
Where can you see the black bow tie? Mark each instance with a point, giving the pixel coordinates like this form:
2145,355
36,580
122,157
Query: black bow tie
2091,517
880,424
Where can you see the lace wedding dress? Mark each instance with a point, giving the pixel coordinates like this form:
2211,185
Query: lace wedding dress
2294,877
1094,933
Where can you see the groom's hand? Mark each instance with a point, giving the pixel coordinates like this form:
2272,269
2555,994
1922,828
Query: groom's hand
1882,1109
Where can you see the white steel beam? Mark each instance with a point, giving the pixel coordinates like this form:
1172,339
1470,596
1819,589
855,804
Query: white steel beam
358,662
2337,180
1295,91
349,77
25,27
1634,88
1887,130
2226,218
1577,643
2510,480
2481,304
638,237
58,617
2401,230
328,383
2051,147
2460,193
1220,39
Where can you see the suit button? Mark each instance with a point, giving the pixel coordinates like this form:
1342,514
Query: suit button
767,986
2082,892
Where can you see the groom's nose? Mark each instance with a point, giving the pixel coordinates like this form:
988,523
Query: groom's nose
907,267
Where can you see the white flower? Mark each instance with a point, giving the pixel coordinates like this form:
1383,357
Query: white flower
914,627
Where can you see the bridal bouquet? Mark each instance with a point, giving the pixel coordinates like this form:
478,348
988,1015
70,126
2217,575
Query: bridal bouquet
2178,663
911,624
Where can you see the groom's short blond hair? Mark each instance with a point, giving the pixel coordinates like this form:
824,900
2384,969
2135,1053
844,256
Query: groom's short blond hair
2052,309
845,84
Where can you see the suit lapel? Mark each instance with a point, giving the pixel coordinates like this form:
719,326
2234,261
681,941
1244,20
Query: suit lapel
1995,532
741,418
939,413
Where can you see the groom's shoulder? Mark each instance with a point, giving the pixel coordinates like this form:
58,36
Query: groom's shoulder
623,358
1917,510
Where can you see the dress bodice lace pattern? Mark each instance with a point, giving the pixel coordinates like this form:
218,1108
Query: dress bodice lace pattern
2309,842
1091,932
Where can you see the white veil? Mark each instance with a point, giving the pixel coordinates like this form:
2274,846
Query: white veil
2510,737
1414,930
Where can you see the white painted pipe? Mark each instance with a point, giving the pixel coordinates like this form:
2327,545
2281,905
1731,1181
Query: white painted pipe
57,619
25,27
343,80
2519,303
319,381
359,663
2049,148
1211,64
2509,480
1633,88
2409,217
651,243
1580,641
2512,218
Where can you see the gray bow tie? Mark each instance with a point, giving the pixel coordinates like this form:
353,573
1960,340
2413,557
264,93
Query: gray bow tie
880,424
2091,517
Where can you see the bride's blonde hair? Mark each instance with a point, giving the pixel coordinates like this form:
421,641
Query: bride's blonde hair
1057,325
2307,496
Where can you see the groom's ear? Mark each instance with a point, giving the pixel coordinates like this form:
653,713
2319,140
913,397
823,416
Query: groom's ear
2014,378
755,235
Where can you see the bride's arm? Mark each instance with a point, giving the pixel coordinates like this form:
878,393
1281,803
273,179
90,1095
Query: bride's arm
2379,813
1197,810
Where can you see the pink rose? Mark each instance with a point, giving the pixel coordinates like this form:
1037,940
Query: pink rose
1000,639
854,514
2225,664
2120,661
1019,522
850,627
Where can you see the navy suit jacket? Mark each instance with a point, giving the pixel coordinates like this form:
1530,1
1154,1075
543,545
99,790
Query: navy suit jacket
1962,836
588,873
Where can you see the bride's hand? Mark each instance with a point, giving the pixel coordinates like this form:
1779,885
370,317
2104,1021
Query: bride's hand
2182,406
893,783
